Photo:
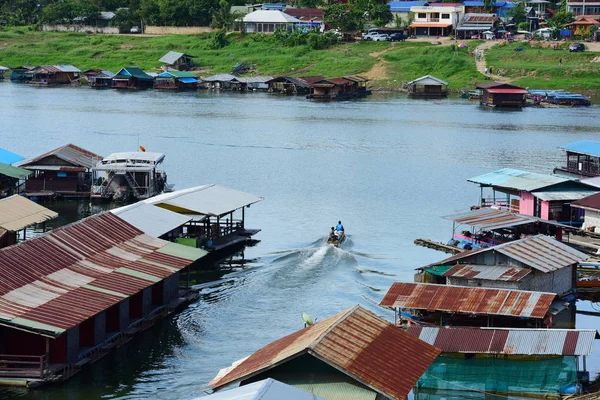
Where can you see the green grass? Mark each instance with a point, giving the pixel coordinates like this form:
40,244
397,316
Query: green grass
538,68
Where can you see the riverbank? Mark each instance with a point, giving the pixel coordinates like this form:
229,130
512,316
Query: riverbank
388,65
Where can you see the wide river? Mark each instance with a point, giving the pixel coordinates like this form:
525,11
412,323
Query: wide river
387,166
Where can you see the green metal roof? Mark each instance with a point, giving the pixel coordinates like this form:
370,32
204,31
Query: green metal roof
128,72
178,250
14,172
182,74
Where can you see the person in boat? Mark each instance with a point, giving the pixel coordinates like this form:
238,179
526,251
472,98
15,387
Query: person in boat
332,234
339,227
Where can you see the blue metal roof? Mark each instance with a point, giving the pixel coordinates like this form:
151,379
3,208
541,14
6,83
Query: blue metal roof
8,157
188,80
278,6
473,3
588,147
514,179
405,5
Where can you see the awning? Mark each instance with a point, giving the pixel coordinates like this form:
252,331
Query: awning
188,80
474,28
429,25
438,270
13,172
151,220
565,196
17,212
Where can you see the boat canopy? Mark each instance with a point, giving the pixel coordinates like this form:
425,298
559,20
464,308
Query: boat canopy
133,161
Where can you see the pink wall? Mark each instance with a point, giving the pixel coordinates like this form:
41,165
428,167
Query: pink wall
526,203
545,210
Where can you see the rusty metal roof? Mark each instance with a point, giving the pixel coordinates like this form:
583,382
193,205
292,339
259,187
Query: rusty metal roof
358,343
540,252
17,212
566,342
490,218
56,281
488,272
468,300
70,153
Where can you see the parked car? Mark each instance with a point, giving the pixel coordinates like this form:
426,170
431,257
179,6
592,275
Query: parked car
576,47
397,37
369,35
382,37
135,29
544,33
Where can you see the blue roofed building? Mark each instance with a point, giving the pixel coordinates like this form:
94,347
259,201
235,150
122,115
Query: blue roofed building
8,157
401,9
500,8
583,159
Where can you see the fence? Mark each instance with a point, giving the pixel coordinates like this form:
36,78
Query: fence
23,366
176,30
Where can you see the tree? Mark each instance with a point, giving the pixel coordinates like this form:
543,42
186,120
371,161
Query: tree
518,13
380,14
342,17
488,5
223,17
310,3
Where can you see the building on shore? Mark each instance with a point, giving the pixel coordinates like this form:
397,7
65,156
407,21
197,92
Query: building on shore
54,74
428,86
269,21
436,20
99,78
132,78
17,213
473,25
583,160
64,171
590,206
498,94
525,362
74,293
174,60
353,354
292,85
427,303
544,196
538,263
176,80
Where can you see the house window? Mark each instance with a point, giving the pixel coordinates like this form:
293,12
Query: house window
445,16
61,174
422,16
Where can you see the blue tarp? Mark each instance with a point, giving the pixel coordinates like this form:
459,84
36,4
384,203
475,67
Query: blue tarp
8,157
588,147
188,80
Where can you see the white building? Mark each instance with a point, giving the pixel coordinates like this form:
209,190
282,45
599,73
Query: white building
435,20
268,21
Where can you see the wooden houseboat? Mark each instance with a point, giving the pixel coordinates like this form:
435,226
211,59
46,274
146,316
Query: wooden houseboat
64,171
132,78
176,80
129,176
11,179
3,70
17,213
291,85
219,81
583,160
54,75
348,87
22,74
498,94
99,78
428,86
174,60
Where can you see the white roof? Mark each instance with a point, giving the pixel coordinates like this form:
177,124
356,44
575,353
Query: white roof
270,16
136,156
213,200
268,389
3,68
151,220
428,80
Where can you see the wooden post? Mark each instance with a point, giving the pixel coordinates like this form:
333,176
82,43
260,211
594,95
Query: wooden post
243,215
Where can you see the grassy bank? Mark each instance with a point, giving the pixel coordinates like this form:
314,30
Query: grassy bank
538,67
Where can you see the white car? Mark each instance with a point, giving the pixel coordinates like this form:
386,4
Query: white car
544,32
135,29
369,36
381,37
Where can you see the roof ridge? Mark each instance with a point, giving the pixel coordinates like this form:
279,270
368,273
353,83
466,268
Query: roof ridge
343,317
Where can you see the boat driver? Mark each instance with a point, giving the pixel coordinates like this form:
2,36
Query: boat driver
339,227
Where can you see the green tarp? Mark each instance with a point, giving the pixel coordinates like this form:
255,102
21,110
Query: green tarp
13,172
438,270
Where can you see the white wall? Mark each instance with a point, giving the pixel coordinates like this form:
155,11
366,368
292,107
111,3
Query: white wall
81,28
591,218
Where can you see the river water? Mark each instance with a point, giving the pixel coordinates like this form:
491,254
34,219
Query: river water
387,166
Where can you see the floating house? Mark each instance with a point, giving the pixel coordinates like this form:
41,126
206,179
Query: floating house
216,216
291,85
219,81
99,78
473,25
348,87
54,74
351,355
544,196
129,176
428,86
132,78
498,94
591,212
11,179
520,362
154,221
8,157
583,159
22,74
177,61
3,70
473,306
176,80
269,21
250,83
538,263
73,301
267,389
64,171
17,213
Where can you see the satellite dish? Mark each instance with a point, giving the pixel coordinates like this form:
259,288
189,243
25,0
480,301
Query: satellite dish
142,148
307,319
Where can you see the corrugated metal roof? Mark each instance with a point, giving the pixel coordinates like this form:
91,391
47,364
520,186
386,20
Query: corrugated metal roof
270,16
54,282
69,153
136,72
8,157
488,272
173,56
177,74
507,91
564,196
14,172
490,219
52,69
254,79
267,389
591,202
210,199
513,341
17,212
468,300
220,78
515,179
428,80
153,221
332,388
357,343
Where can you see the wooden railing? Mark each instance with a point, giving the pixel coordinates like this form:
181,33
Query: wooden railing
23,366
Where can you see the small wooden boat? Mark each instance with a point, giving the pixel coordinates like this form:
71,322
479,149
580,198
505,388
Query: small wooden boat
336,242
